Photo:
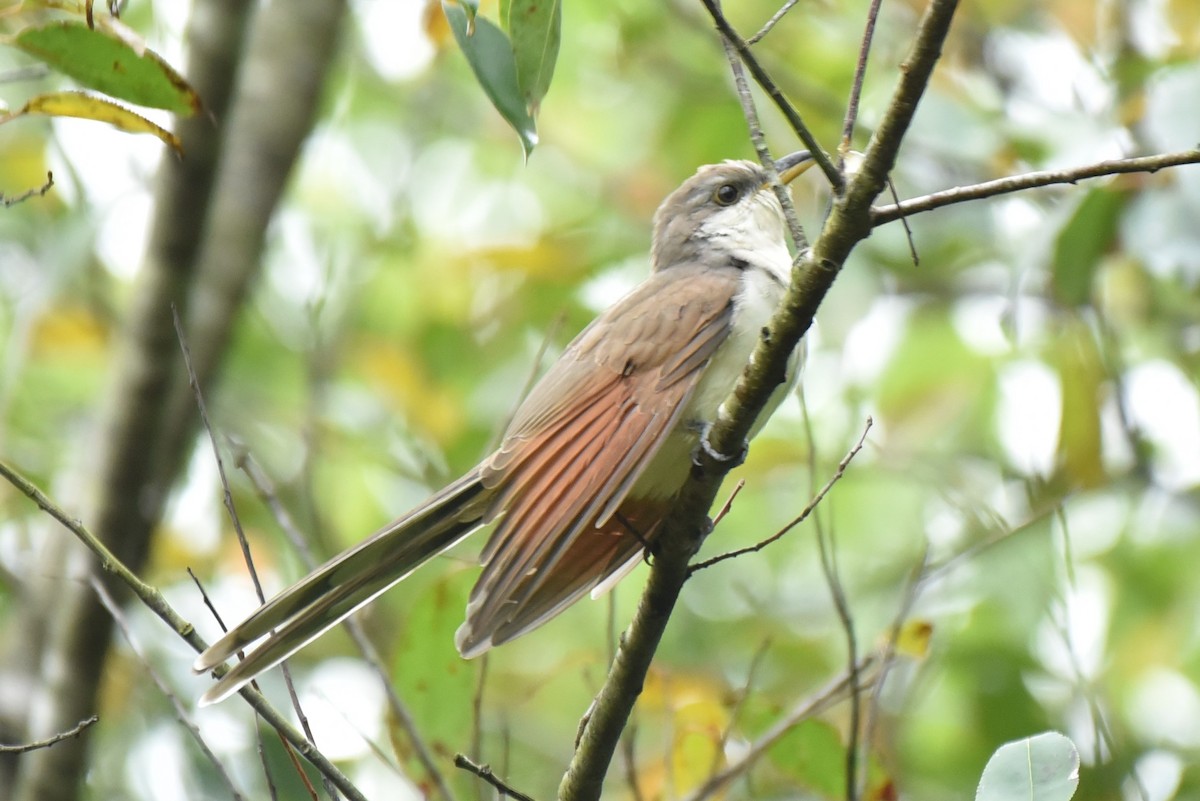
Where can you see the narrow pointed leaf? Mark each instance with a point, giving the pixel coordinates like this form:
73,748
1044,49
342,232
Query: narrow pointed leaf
108,61
1083,241
490,55
87,107
536,30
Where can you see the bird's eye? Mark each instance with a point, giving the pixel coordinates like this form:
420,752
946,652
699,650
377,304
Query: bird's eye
727,194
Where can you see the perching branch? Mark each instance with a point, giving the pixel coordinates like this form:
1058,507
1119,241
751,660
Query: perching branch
684,530
1030,180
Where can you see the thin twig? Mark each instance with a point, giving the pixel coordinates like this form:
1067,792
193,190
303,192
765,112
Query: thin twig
75,731
198,395
477,713
860,72
827,545
759,140
887,659
908,232
154,600
34,72
485,773
764,80
1031,180
181,713
725,507
269,496
39,191
802,711
629,759
535,368
231,508
808,510
212,609
772,22
259,746
260,750
736,713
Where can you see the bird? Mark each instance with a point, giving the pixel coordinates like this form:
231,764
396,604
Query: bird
595,454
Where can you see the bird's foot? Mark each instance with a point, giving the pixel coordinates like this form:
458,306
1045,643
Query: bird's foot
733,460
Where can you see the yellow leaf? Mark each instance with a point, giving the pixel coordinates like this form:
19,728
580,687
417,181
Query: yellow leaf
697,715
913,639
87,107
1081,373
72,330
395,372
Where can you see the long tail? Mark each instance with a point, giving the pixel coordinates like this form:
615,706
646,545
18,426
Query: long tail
320,600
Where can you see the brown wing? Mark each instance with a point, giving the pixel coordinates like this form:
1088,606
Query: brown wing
580,442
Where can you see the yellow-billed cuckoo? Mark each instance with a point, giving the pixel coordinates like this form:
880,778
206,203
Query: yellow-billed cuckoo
594,455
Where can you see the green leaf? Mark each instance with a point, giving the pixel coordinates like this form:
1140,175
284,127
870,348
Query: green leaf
1086,237
1040,768
536,30
428,673
111,61
811,754
490,55
1082,375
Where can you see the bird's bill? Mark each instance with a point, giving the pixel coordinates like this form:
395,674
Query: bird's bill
793,165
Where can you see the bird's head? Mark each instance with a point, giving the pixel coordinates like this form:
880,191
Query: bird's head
725,210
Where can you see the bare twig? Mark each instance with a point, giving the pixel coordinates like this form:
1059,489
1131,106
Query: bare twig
535,368
739,704
629,759
212,609
802,711
888,658
800,518
155,601
231,508
860,72
485,773
181,713
760,146
764,80
725,507
827,547
1031,180
267,493
39,191
75,731
908,234
194,383
772,22
477,714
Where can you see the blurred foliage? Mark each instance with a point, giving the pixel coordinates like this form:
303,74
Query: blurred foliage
1033,382
100,53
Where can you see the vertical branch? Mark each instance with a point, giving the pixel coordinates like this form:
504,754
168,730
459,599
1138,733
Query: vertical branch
686,526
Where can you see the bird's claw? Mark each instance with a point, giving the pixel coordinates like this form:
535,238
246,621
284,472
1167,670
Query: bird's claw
733,460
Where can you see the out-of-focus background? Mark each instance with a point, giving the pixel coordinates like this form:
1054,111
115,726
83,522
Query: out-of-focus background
1032,381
